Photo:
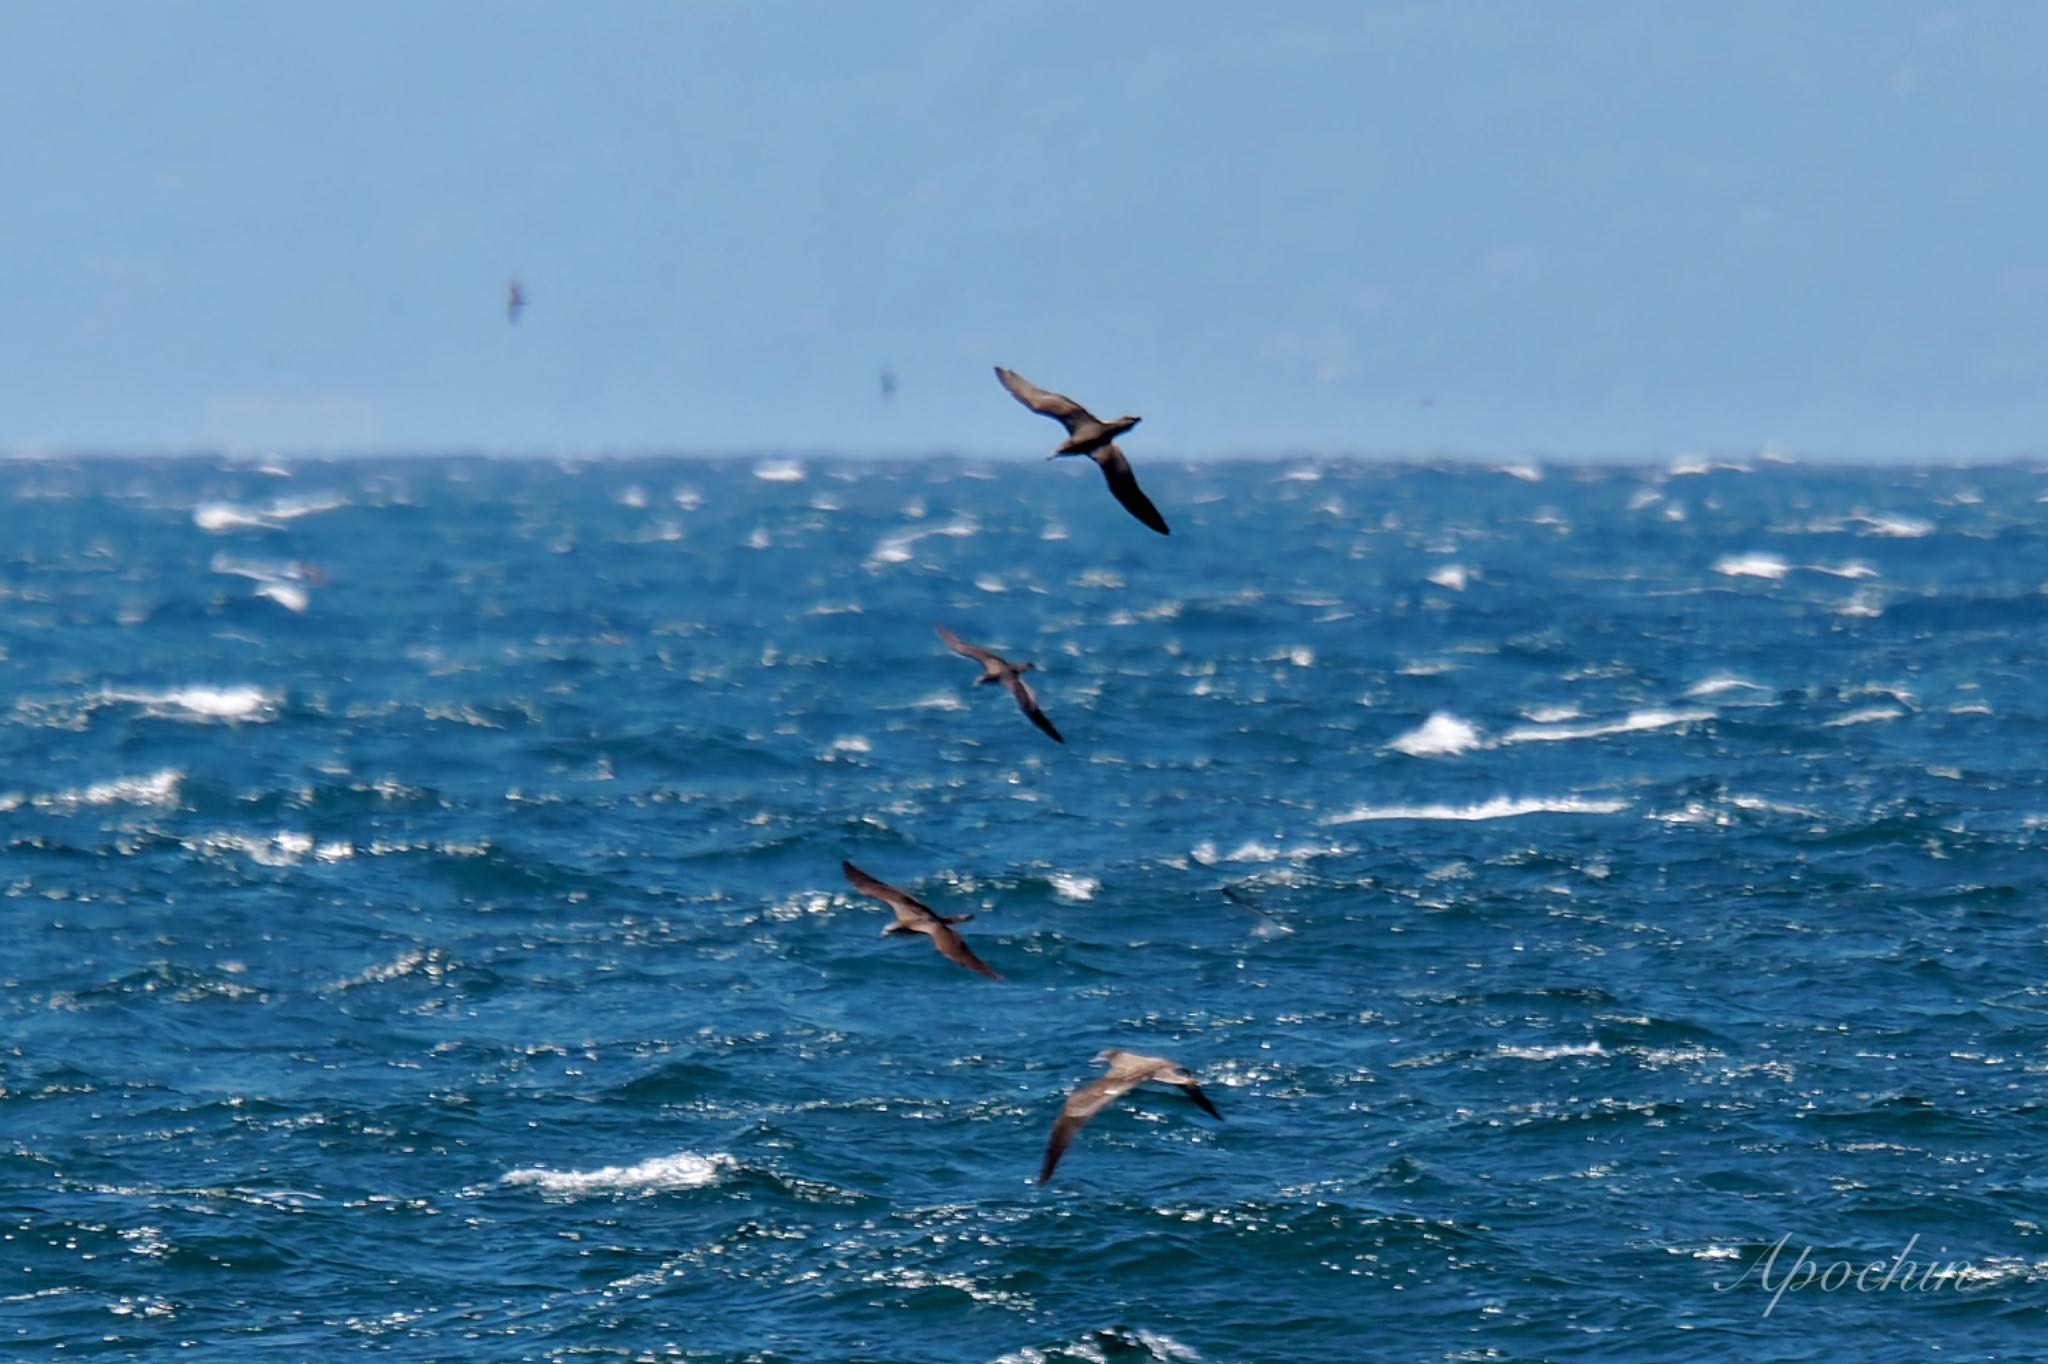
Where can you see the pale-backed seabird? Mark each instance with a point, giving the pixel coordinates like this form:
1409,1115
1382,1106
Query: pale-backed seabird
1091,436
1127,1070
915,916
996,668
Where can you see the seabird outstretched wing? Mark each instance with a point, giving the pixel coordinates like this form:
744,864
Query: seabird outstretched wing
1058,406
954,948
1123,484
908,907
966,650
1083,1104
1194,1091
1028,703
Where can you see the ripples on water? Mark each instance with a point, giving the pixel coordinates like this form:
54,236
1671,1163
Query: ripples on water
425,931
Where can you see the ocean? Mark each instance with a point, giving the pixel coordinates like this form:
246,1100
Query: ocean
1596,899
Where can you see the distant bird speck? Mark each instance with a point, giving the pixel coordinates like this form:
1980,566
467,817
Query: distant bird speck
1089,435
888,383
515,302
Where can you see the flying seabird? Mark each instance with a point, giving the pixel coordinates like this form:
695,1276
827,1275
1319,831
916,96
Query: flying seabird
915,916
515,302
1091,436
1275,919
1127,1071
996,668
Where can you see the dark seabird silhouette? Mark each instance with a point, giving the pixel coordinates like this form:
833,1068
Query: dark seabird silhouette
1243,903
996,668
915,916
1127,1070
515,302
1089,435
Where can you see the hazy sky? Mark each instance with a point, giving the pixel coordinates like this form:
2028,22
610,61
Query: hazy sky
1491,228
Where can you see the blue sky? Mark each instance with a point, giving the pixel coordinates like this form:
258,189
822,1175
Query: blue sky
1481,227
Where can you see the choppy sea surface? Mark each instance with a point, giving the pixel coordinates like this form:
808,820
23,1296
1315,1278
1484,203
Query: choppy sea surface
424,933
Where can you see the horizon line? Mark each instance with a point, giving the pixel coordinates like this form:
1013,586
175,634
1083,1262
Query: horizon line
1708,458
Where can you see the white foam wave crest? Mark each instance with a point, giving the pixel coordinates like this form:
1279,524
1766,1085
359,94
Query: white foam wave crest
1897,527
158,788
1500,807
1127,1342
290,596
1452,577
662,1174
218,518
285,848
1552,1053
1720,682
1633,722
281,582
1440,735
1752,566
399,967
896,549
1074,889
199,703
261,570
1685,466
1251,850
1868,715
780,471
292,508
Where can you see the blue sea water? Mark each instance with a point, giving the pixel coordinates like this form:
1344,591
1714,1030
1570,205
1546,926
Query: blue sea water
424,933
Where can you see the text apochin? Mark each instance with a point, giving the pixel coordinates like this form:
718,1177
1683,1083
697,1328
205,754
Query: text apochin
1897,1275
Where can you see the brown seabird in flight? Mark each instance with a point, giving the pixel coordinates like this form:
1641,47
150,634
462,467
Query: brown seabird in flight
915,916
1127,1070
996,668
1089,435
